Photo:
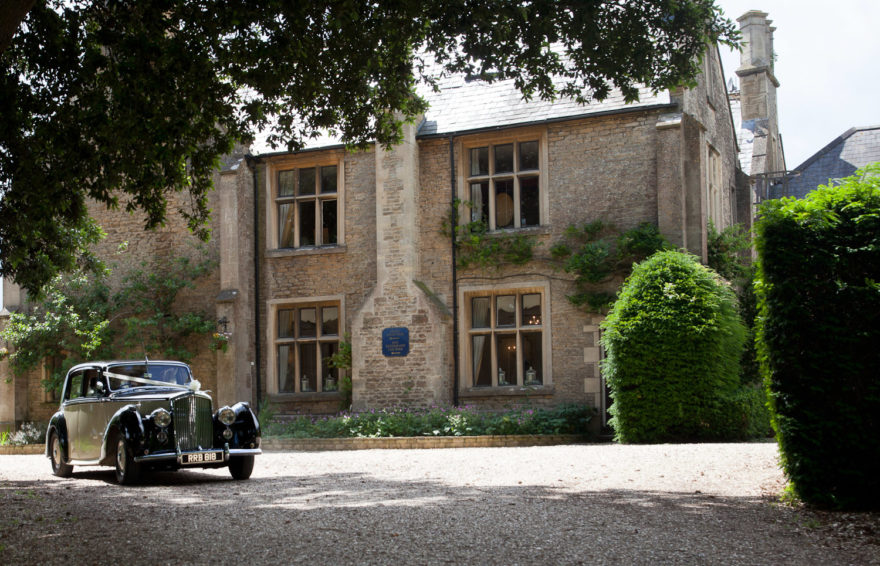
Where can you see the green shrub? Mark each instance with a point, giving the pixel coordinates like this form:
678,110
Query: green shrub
819,307
673,343
437,421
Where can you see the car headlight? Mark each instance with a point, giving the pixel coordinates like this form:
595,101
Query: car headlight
226,416
161,417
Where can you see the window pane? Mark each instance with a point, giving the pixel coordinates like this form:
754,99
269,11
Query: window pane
531,310
482,361
480,310
329,321
328,179
307,326
307,181
329,375
480,161
286,368
506,315
308,366
76,383
307,223
285,183
285,225
480,202
506,347
528,155
504,203
504,158
532,358
285,323
328,222
529,202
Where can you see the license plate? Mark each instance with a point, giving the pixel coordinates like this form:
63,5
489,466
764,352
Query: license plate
201,458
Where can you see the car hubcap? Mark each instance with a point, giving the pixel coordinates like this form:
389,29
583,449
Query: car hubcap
56,451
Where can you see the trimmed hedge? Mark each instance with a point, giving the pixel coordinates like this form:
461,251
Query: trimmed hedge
819,340
673,343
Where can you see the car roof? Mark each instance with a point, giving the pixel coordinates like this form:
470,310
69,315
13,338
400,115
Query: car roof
106,364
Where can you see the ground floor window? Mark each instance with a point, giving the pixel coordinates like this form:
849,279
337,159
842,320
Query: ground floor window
307,335
506,337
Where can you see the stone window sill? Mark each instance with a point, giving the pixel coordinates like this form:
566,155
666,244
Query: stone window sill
312,250
311,396
530,230
507,391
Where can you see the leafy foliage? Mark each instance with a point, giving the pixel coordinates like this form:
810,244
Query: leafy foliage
673,342
147,301
342,360
437,421
70,324
478,247
80,318
727,252
819,305
595,253
128,102
28,433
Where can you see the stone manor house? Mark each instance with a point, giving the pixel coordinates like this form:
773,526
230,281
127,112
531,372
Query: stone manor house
320,244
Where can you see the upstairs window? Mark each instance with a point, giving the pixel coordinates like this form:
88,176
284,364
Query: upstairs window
504,184
307,207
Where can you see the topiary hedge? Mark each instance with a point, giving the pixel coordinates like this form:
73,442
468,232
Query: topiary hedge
673,343
819,340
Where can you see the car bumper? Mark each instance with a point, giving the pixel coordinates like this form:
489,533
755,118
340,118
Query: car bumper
222,455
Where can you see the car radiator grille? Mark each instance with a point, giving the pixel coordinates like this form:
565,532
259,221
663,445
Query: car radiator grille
193,423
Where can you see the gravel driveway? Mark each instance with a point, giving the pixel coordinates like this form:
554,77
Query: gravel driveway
590,504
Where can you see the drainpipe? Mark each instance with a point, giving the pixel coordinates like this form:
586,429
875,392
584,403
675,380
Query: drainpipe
455,350
252,165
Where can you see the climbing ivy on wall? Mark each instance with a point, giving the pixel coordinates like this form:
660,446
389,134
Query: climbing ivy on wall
478,247
81,318
596,253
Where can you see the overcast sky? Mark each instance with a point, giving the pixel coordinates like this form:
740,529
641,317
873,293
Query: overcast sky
828,67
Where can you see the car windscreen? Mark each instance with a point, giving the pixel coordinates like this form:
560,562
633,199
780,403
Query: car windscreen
125,376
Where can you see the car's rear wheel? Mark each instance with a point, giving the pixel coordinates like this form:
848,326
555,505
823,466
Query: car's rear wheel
127,470
56,455
241,467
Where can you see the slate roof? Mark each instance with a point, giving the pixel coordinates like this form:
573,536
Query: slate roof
850,151
464,105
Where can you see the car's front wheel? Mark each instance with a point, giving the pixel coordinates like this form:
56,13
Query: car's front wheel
127,470
241,467
56,455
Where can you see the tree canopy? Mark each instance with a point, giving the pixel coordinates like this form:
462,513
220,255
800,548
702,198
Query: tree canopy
126,102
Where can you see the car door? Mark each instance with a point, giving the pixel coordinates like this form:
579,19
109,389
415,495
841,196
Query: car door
96,412
73,405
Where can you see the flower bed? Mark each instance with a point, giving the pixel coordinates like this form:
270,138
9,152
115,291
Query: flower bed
399,422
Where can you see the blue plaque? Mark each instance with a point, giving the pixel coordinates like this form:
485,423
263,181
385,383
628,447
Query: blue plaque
395,342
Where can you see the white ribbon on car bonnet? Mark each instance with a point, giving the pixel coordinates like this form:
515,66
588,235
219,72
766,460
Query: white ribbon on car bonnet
194,385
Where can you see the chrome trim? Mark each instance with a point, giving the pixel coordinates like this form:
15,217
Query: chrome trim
245,452
83,462
178,456
193,422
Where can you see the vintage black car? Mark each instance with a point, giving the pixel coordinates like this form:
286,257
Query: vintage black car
147,414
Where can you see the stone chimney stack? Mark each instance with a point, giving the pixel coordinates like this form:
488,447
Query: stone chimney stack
758,86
